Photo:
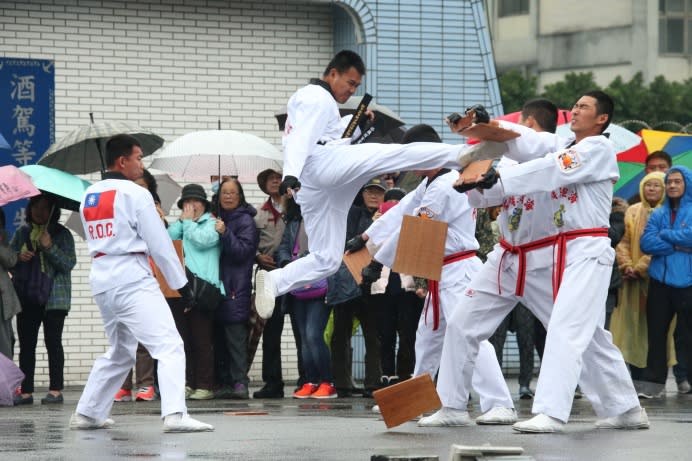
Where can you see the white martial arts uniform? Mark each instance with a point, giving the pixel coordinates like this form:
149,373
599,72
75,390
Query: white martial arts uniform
331,172
568,189
122,227
437,199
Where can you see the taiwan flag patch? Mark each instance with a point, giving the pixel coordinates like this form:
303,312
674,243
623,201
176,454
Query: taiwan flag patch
99,205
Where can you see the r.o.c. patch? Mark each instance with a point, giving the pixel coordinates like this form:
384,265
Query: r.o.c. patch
568,160
426,212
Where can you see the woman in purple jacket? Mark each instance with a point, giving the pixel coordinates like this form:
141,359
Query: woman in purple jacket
239,246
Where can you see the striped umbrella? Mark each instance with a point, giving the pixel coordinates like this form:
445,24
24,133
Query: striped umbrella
82,150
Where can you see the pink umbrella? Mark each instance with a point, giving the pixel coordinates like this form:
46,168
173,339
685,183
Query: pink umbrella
10,378
15,185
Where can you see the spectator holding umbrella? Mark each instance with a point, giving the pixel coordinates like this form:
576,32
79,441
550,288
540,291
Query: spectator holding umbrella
9,303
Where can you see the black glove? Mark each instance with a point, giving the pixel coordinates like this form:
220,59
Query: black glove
371,273
480,114
188,297
289,182
490,178
355,244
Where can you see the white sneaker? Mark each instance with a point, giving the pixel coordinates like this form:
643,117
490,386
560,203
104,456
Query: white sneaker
540,423
178,422
81,422
446,416
498,416
265,296
376,409
684,387
635,418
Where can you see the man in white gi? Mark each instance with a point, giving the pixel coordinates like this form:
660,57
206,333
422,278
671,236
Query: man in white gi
555,258
435,199
325,171
122,229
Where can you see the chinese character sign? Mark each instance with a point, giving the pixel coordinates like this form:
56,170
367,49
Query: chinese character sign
27,118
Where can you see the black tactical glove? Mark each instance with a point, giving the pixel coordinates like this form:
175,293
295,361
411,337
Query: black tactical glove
480,114
187,295
289,182
489,179
371,273
355,244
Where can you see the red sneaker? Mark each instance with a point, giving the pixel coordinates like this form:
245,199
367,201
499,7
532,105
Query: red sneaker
325,391
123,395
305,391
146,393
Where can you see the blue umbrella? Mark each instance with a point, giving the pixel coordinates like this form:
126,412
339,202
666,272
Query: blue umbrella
3,143
67,188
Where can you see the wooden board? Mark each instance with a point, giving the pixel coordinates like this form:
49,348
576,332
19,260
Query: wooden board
167,291
355,262
489,132
474,169
404,401
421,247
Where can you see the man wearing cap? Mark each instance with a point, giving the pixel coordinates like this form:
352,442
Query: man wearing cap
270,227
324,171
123,227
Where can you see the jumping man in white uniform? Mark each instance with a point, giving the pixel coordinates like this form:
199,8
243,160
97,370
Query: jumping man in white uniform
556,259
325,171
122,229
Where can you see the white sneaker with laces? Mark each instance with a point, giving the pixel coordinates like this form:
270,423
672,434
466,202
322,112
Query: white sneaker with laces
177,422
446,416
635,418
541,423
81,422
265,296
498,416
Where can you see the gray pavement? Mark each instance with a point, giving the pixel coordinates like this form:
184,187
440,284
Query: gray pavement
338,429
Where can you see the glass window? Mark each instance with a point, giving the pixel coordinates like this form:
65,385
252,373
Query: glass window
675,26
513,7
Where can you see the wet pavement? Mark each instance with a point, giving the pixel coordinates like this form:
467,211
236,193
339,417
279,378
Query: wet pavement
339,429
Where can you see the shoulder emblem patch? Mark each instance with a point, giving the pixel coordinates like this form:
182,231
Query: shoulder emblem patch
568,160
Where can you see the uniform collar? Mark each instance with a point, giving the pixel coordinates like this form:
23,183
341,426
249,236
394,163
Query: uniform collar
113,175
322,83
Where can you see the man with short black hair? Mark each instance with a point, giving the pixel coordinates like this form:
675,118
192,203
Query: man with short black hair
122,229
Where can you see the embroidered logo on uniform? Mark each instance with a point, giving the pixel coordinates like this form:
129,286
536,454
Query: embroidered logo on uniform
426,212
469,292
514,219
558,218
568,160
99,205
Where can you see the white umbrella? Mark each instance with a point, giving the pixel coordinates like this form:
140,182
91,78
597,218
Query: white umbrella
168,190
202,154
83,149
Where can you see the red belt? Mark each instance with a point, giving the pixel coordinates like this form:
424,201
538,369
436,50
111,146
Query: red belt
434,286
559,240
99,254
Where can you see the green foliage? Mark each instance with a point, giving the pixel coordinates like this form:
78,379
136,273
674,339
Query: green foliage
661,104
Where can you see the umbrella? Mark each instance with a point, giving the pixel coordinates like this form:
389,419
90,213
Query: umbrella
168,190
386,120
15,184
623,138
3,143
10,378
631,161
67,188
202,154
81,151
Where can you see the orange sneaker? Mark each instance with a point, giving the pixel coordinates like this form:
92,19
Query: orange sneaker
305,392
146,393
325,391
123,395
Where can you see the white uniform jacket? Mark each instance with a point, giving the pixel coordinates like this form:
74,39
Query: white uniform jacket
122,227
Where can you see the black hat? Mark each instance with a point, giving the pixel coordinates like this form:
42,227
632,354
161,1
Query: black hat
193,191
263,176
375,182
395,193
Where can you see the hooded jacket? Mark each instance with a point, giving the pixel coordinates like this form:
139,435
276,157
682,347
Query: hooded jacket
668,238
238,248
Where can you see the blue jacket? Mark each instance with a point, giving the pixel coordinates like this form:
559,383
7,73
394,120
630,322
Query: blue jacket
201,246
239,246
670,244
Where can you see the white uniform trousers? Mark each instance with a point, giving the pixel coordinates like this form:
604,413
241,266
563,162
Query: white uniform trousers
136,312
332,176
487,378
577,350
